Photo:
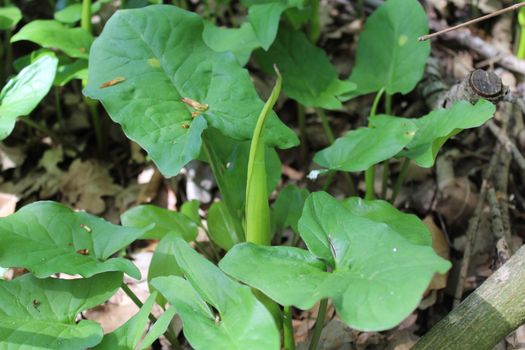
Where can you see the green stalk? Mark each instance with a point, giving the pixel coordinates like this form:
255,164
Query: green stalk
85,19
257,207
123,4
400,179
41,128
319,325
386,166
314,27
289,341
371,172
95,117
521,43
331,138
172,338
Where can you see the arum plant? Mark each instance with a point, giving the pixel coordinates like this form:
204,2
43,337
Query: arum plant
182,99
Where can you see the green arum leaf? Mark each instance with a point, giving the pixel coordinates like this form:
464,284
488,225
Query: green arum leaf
190,209
163,263
259,31
239,41
264,17
359,149
23,93
377,277
66,72
166,221
159,328
221,226
41,313
308,76
438,126
157,56
241,322
406,225
74,42
288,207
128,336
47,237
388,53
9,17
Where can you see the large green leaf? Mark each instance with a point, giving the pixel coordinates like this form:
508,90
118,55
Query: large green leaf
47,237
23,93
308,76
9,17
166,221
406,225
361,148
74,42
240,41
377,275
128,336
163,263
388,53
158,56
41,313
264,17
241,322
438,126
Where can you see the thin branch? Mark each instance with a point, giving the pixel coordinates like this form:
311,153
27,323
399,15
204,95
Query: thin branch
476,20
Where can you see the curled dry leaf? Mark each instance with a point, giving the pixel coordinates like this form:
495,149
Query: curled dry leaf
85,184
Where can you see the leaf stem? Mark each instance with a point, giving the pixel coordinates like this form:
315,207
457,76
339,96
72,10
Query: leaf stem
97,127
85,19
41,128
319,325
370,173
314,27
331,138
400,179
384,182
172,338
289,341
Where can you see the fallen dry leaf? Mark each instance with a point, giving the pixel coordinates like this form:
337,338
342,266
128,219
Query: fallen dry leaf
84,185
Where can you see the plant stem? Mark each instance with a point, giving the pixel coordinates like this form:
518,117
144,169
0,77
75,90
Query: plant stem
319,325
521,25
384,182
95,116
302,135
85,19
172,338
289,341
400,179
370,173
58,107
331,138
314,27
326,125
123,4
40,127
